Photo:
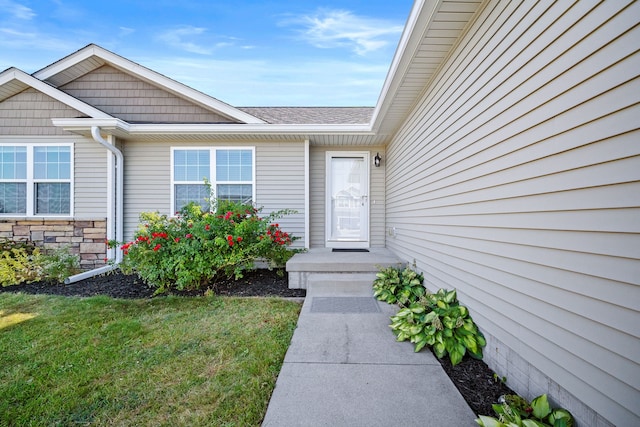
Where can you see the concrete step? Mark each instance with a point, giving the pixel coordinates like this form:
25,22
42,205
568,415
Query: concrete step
340,284
319,264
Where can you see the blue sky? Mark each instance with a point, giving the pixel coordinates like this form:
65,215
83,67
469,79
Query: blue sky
243,52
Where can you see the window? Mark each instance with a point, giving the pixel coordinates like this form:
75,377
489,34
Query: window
230,172
35,180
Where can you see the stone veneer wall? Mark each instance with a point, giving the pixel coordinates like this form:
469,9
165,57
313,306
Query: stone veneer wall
86,237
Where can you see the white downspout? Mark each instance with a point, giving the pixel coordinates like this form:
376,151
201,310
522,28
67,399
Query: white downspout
119,217
119,220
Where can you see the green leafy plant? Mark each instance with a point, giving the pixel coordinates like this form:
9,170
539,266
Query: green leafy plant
439,321
398,286
60,263
194,248
515,411
23,262
19,262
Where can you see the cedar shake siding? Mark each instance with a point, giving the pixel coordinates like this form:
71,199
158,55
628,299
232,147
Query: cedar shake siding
135,101
30,113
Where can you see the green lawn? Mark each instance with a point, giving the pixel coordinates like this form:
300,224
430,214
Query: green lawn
172,361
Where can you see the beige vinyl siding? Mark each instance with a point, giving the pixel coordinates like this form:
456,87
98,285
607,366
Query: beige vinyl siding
318,187
516,180
133,100
30,113
90,187
279,180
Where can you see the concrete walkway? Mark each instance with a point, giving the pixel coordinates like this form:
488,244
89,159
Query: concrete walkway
344,368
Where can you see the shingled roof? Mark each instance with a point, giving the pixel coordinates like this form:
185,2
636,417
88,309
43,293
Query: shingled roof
311,115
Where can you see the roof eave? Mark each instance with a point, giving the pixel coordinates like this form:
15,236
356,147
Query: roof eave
123,129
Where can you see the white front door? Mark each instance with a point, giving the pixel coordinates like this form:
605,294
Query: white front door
347,195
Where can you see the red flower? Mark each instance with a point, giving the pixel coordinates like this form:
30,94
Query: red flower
157,247
177,239
207,227
239,239
188,236
230,238
230,242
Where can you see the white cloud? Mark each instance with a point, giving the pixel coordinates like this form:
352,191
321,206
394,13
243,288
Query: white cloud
341,28
181,38
195,40
17,10
125,31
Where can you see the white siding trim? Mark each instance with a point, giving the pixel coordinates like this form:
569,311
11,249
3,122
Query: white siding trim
307,196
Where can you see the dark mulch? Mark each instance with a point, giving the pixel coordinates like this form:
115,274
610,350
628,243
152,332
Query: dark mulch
476,383
118,285
473,378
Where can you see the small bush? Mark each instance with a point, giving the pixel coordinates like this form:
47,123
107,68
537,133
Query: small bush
23,262
20,262
58,264
194,248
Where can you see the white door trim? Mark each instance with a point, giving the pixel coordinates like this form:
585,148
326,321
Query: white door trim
364,240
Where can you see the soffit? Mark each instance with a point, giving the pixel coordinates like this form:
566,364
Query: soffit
432,31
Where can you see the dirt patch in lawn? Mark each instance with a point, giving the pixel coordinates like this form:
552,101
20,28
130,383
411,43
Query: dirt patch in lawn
473,378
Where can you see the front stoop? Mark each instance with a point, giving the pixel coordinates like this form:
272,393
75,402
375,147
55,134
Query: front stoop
319,270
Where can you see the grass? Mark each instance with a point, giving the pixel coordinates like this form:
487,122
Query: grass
165,361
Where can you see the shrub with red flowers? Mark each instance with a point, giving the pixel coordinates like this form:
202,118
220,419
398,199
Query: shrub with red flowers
193,249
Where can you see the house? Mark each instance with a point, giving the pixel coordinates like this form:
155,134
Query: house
510,170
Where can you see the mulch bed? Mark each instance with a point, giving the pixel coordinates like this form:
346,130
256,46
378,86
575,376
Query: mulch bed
473,378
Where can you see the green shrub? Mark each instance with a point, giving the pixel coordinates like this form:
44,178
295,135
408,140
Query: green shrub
20,262
398,286
439,321
60,263
194,248
23,262
514,411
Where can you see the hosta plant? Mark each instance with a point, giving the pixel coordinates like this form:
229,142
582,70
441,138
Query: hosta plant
439,321
398,286
514,411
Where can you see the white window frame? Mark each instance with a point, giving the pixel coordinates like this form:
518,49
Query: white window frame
212,170
31,181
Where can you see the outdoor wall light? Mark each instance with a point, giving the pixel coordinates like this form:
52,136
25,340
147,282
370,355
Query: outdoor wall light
376,160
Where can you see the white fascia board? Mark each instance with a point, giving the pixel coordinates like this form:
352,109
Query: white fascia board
242,129
420,18
111,125
148,75
75,103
